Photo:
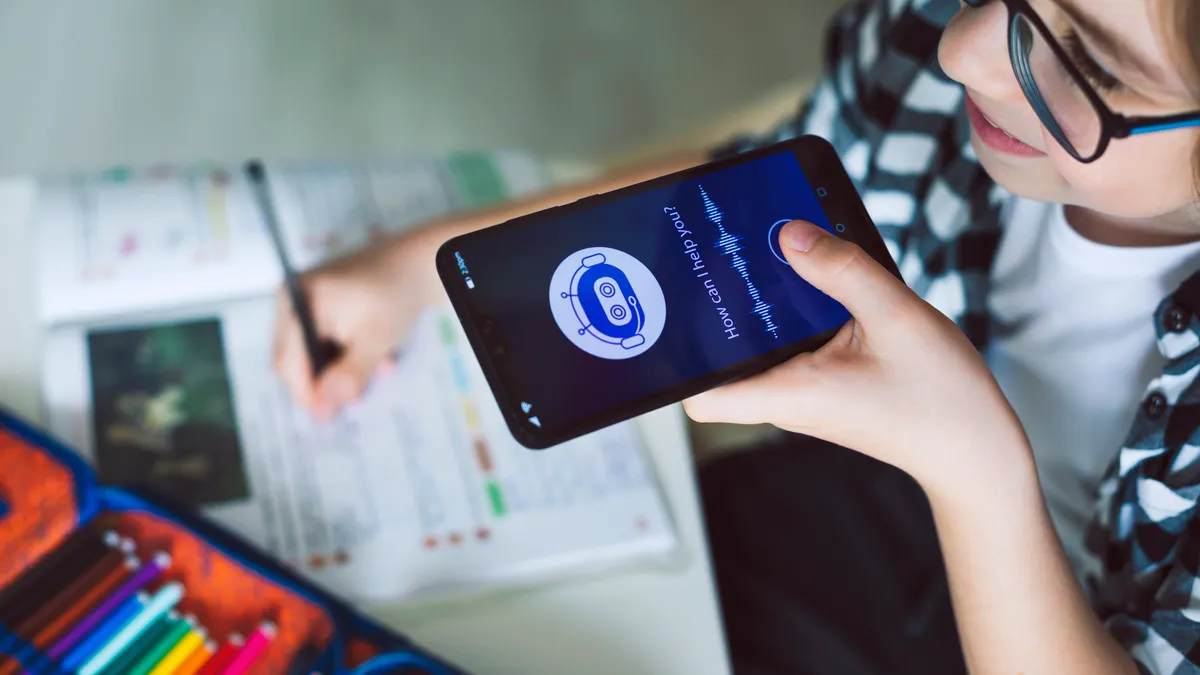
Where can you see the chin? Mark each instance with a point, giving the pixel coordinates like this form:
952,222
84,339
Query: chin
1031,178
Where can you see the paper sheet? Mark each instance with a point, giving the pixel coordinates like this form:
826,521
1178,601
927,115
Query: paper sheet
126,240
418,491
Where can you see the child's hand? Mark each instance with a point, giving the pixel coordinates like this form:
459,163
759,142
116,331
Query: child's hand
899,382
365,303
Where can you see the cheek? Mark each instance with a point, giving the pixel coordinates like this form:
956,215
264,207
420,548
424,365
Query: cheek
1140,177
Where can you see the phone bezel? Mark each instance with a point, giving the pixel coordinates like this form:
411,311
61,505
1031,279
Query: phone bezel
841,204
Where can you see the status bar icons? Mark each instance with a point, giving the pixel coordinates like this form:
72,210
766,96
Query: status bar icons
526,407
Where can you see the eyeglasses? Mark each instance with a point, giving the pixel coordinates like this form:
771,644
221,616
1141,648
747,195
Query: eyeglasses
1066,103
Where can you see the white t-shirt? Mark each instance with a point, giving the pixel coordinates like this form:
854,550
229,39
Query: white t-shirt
1073,347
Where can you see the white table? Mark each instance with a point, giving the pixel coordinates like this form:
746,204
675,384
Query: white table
652,621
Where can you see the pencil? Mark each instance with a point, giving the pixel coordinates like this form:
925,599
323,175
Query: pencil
254,648
134,650
118,619
181,630
162,601
64,563
226,654
55,618
55,603
320,352
196,660
144,576
191,642
40,569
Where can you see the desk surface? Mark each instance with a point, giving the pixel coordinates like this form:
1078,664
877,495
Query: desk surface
631,622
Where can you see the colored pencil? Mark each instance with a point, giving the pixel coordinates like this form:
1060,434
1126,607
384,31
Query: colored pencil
144,576
181,630
37,572
122,615
254,648
224,656
69,588
46,626
191,641
146,641
166,598
196,660
55,603
25,594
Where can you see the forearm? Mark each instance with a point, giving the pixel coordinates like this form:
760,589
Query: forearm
417,248
1018,605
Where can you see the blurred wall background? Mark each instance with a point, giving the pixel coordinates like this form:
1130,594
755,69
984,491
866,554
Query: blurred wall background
86,83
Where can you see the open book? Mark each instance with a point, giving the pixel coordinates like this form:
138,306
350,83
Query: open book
157,291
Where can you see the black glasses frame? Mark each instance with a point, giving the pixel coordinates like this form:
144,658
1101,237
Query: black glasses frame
1113,125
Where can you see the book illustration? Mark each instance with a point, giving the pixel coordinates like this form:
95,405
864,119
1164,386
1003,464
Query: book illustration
164,413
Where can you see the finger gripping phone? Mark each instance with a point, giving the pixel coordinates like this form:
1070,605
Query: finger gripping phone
592,313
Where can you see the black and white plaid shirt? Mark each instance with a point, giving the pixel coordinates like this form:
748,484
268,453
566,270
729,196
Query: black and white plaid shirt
899,125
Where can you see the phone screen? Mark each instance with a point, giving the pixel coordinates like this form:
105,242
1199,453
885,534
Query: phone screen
624,297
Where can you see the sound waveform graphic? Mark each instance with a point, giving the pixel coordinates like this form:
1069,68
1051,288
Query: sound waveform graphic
730,245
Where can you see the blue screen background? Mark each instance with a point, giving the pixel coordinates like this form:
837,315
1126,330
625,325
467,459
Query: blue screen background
512,271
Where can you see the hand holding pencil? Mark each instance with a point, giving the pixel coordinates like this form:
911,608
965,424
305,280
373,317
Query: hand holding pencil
338,326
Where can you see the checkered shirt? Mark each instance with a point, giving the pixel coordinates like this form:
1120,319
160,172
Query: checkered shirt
899,125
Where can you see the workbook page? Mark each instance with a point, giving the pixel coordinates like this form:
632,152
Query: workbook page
126,240
418,491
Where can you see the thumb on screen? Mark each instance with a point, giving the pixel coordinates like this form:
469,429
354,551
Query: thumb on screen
842,270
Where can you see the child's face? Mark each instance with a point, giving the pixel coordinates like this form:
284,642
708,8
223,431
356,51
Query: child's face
1146,176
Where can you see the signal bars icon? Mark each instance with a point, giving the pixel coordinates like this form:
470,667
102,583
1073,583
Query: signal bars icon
525,408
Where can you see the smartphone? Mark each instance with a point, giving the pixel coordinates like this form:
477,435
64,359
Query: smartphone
589,314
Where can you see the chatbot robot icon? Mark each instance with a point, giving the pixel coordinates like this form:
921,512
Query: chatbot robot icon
607,303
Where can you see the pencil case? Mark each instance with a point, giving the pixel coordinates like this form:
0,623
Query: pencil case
48,493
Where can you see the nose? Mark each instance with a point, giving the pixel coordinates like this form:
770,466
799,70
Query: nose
974,52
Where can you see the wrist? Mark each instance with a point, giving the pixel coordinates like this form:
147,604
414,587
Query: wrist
996,475
411,269
412,265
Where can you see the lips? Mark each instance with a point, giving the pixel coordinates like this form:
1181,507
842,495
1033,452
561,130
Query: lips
995,137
